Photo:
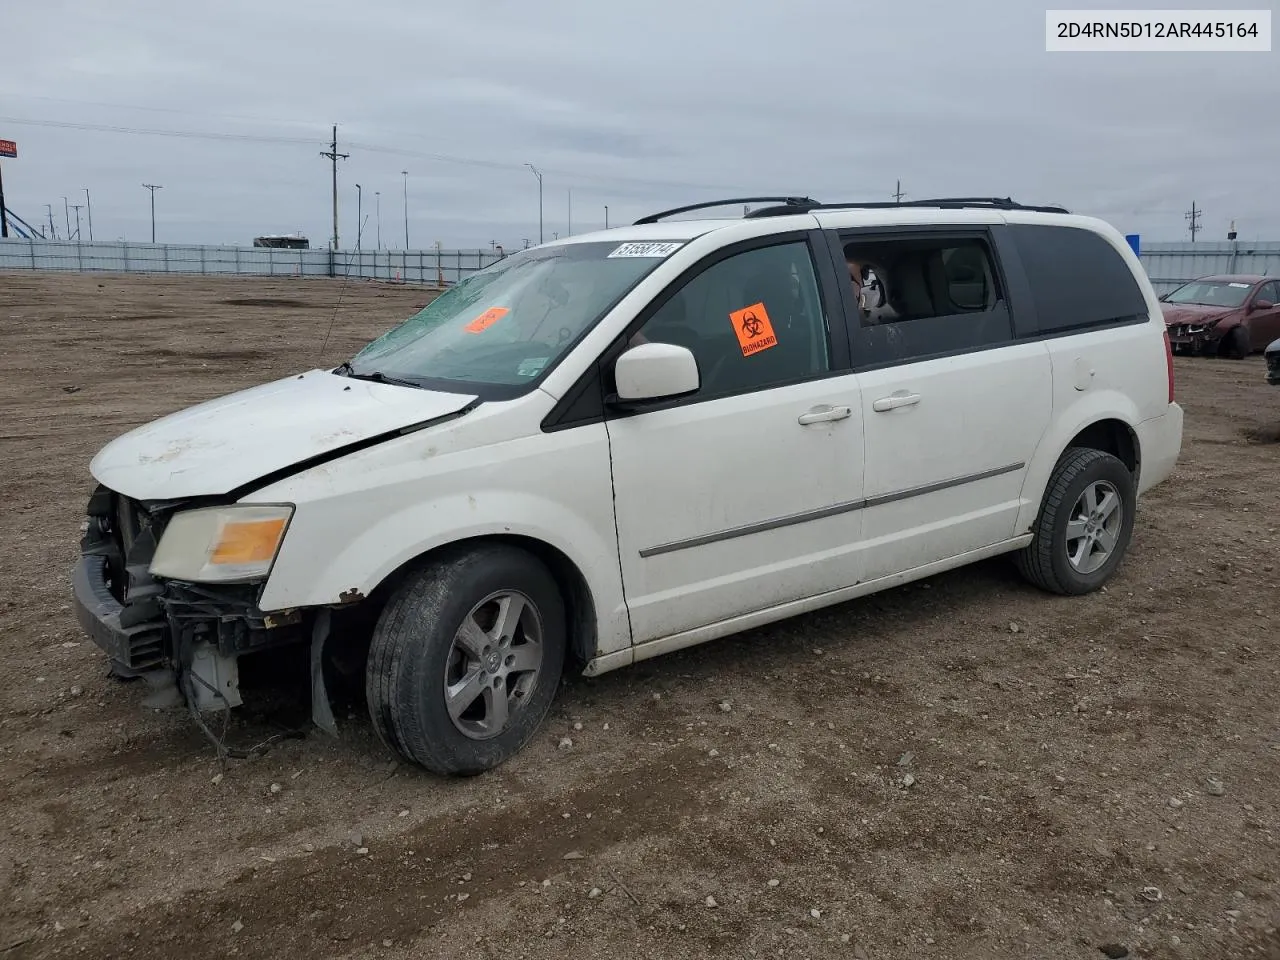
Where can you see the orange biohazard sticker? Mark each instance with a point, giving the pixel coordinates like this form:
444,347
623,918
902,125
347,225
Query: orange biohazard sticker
754,330
486,320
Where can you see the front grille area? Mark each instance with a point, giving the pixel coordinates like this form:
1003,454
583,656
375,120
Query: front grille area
123,533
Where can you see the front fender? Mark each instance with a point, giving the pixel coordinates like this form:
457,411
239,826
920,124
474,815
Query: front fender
360,518
304,578
1088,409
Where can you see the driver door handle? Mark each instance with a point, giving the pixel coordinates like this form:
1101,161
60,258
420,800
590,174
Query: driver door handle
823,414
895,401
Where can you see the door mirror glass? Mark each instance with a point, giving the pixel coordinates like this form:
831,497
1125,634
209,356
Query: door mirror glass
656,371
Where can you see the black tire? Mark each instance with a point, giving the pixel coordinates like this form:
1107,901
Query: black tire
1235,345
1045,561
413,649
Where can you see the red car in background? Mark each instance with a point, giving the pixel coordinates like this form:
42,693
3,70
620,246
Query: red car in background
1232,315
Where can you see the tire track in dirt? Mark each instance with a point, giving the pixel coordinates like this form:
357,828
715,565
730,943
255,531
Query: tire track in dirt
405,884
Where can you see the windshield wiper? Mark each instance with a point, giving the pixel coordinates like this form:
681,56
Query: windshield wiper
344,368
379,377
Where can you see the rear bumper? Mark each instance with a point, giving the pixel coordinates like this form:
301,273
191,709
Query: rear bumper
133,649
1160,443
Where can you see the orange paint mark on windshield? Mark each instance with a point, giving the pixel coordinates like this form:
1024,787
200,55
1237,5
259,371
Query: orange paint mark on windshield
486,320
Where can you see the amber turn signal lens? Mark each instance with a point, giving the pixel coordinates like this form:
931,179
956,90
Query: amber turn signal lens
247,541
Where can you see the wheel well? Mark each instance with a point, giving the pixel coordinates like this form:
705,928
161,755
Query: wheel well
1111,436
580,608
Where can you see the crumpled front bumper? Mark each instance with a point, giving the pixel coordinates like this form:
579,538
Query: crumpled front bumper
132,648
1193,337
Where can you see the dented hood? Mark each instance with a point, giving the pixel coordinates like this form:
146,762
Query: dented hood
215,447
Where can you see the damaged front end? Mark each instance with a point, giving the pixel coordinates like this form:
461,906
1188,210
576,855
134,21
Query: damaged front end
183,638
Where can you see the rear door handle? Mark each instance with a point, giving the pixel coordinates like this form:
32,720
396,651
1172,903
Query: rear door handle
895,401
823,414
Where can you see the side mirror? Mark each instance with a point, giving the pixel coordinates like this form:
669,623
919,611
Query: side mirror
1262,305
656,371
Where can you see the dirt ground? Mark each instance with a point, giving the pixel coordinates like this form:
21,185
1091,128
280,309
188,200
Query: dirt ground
1061,749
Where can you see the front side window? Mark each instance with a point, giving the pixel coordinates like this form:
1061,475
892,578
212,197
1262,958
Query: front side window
752,320
1211,293
506,324
1270,292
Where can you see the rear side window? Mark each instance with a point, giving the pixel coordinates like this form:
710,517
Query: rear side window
1078,280
923,295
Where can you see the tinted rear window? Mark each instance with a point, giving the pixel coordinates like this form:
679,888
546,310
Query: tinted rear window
1078,280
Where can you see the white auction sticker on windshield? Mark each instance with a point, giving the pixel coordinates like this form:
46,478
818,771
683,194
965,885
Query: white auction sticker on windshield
1242,286
637,249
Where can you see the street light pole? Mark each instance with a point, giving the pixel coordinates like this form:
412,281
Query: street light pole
406,208
359,215
539,176
377,196
153,187
89,207
606,216
66,210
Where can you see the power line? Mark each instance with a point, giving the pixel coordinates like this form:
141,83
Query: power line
363,146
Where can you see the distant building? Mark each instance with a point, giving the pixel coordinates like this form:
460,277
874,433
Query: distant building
291,241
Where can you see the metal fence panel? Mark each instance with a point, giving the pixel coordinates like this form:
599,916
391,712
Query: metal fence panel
404,266
1167,264
1171,264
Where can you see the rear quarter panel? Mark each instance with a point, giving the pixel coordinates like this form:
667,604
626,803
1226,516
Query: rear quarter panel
1117,373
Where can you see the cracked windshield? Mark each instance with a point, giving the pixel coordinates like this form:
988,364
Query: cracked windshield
507,323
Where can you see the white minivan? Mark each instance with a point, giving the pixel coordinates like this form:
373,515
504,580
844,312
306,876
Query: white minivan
623,443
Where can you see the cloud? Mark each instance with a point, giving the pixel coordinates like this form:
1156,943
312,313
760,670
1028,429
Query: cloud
638,107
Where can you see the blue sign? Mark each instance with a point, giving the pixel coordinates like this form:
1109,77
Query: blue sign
1132,239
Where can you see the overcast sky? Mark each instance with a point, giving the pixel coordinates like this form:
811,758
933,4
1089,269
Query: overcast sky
638,106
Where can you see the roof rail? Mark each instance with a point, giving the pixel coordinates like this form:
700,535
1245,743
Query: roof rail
788,204
949,203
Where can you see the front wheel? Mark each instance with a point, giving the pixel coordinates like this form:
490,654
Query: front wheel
1236,344
1085,524
466,658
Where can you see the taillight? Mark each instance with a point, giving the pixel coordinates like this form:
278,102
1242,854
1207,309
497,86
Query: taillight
1168,359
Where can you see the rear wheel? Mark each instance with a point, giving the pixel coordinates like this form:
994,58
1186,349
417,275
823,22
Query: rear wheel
1084,526
466,658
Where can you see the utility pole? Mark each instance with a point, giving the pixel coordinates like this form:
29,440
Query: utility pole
89,207
66,212
333,156
569,232
1193,215
606,216
77,208
53,232
539,176
405,173
897,193
377,196
153,187
359,215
